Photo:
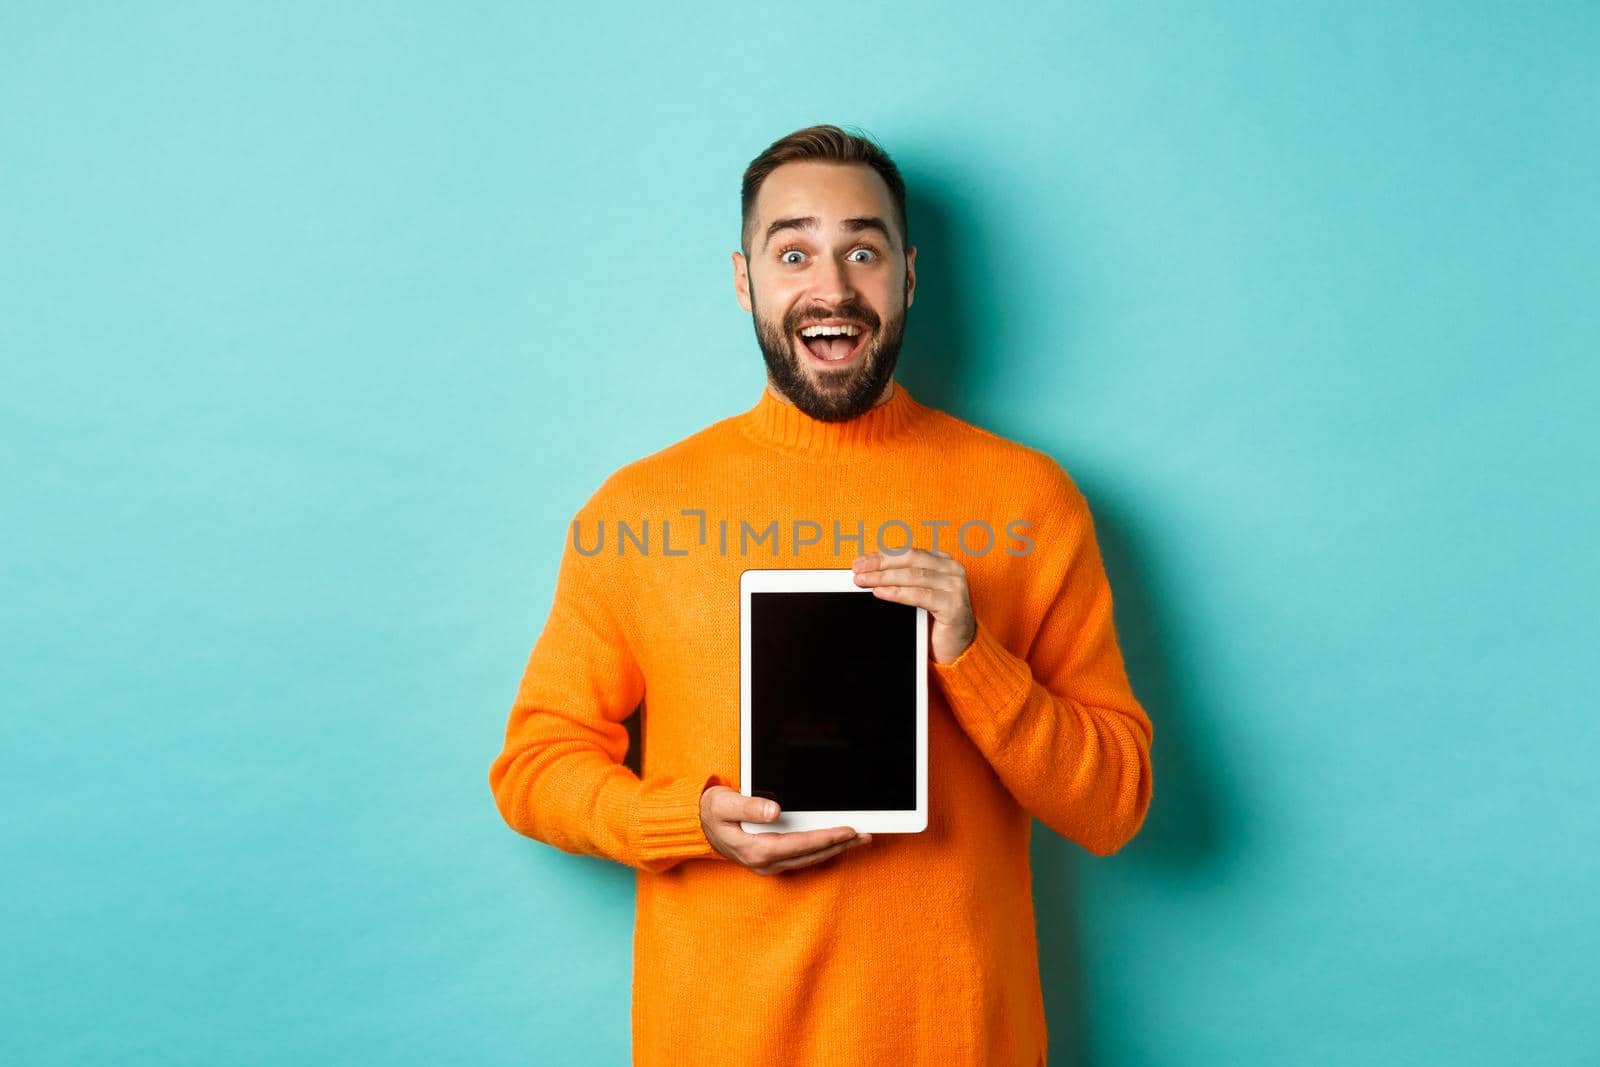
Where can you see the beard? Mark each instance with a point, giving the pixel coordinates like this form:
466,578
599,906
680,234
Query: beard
831,395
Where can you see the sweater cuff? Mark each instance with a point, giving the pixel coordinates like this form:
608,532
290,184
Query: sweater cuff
986,680
669,823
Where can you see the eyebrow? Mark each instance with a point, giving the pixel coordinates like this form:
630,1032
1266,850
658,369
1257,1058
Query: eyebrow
810,222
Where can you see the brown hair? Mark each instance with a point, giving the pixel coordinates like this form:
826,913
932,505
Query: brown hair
822,144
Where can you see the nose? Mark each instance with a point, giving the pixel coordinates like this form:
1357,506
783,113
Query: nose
833,282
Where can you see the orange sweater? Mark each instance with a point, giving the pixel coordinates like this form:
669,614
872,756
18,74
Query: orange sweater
915,948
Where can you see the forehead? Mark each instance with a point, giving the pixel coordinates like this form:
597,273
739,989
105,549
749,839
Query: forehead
830,191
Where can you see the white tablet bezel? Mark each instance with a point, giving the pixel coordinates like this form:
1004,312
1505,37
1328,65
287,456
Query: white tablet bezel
829,580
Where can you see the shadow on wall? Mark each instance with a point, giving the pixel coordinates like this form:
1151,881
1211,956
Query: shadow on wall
940,347
1182,831
943,359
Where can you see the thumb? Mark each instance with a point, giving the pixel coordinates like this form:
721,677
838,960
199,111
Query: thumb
757,809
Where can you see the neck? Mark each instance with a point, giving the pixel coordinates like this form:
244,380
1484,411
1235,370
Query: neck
889,423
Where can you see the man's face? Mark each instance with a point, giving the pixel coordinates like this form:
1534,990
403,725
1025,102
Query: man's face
825,249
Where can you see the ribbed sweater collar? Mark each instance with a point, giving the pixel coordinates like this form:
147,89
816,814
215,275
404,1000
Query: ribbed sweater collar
779,424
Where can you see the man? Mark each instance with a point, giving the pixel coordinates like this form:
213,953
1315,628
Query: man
824,946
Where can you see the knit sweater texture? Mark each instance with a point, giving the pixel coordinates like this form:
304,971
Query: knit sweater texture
915,948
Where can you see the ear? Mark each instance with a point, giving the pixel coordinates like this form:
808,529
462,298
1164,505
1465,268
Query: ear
911,274
741,280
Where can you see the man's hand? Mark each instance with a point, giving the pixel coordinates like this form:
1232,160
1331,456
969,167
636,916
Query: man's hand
924,579
721,811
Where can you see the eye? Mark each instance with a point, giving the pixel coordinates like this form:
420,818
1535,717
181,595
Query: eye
871,255
783,257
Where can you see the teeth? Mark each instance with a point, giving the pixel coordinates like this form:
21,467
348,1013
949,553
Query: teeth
830,331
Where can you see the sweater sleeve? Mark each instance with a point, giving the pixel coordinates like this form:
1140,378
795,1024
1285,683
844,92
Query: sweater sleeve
1060,724
559,777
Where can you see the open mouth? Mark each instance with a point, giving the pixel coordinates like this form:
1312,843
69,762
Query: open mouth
833,344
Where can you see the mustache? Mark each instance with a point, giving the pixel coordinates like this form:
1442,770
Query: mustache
858,312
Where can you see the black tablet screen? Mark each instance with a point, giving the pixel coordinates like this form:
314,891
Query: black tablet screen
833,701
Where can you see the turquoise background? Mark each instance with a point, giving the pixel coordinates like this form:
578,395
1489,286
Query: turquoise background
320,321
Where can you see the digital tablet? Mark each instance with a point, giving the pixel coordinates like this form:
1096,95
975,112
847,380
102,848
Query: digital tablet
833,703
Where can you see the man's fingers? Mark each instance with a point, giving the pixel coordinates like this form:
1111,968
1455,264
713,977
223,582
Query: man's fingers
914,576
814,857
915,558
766,850
916,595
769,848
